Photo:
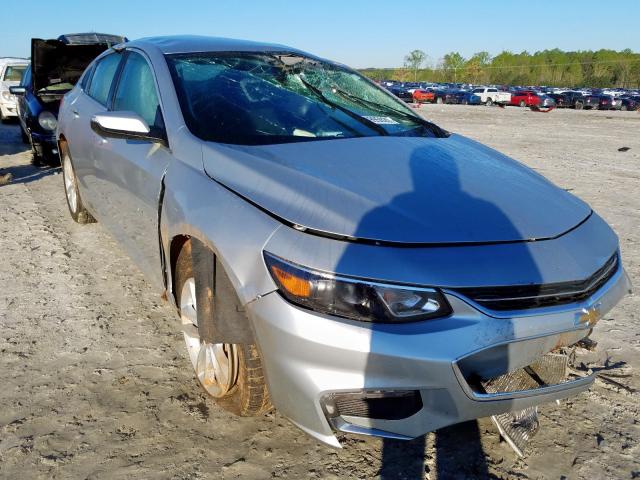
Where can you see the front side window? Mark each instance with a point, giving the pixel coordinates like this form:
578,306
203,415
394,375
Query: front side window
103,76
136,91
262,98
14,73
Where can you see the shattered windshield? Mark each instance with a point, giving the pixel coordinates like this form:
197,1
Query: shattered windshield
264,98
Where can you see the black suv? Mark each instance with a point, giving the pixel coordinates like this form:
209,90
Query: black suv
56,65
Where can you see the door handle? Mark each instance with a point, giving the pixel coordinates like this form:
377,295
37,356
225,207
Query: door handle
75,113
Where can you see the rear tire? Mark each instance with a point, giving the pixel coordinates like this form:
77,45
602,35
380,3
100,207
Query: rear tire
246,393
523,103
439,101
70,182
579,105
489,102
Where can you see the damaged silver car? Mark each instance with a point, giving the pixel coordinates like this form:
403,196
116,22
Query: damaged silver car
330,252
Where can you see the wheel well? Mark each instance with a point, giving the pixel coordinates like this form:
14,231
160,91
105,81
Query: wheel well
61,141
227,323
177,243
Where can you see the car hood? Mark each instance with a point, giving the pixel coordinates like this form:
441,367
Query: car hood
398,190
55,63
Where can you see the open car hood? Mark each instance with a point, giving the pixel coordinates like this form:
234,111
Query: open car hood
55,63
398,190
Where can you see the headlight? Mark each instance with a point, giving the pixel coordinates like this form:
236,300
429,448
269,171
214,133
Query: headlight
47,120
354,298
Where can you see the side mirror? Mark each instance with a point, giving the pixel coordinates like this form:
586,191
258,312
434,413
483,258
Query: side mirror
16,90
127,125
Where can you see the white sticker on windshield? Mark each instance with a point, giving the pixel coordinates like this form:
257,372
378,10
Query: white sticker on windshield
381,120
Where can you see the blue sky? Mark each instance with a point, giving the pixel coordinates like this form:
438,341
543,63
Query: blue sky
359,33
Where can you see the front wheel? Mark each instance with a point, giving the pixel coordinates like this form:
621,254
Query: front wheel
523,103
231,373
489,102
579,105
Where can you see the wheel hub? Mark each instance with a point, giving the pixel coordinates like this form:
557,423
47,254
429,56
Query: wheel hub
215,364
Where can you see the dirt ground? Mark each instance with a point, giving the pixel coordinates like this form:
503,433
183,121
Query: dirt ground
95,382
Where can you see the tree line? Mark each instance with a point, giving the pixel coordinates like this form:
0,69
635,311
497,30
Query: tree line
602,68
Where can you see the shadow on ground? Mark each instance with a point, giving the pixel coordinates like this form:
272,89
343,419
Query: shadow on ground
28,173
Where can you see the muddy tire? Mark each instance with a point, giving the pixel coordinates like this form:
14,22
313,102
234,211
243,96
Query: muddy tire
248,396
72,194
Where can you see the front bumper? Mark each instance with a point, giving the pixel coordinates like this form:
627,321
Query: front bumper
308,356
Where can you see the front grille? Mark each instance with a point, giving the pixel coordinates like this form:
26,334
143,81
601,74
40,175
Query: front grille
379,405
521,297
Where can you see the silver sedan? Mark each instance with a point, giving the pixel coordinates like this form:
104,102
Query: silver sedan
329,252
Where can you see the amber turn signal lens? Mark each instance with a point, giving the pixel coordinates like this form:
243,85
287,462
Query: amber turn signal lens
294,285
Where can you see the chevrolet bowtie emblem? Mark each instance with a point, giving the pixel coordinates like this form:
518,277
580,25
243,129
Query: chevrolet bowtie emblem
590,316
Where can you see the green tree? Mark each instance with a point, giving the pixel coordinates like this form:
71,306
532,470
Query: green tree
414,61
452,62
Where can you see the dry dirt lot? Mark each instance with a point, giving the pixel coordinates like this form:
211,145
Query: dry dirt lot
95,383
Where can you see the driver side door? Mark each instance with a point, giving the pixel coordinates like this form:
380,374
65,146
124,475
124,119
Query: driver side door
132,170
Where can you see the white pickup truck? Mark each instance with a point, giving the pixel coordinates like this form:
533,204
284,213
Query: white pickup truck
491,95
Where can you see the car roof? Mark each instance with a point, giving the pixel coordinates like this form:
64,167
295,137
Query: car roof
196,43
14,60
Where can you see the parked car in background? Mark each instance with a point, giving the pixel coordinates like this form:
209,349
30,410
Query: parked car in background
574,99
11,71
56,65
589,102
421,95
609,102
560,99
470,98
630,103
546,101
451,95
525,98
402,93
491,95
304,274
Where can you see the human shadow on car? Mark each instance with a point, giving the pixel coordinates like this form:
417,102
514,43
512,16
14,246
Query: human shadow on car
436,177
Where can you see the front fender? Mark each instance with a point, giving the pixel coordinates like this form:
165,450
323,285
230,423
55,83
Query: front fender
196,206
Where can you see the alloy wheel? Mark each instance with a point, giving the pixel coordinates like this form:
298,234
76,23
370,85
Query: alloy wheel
215,364
70,184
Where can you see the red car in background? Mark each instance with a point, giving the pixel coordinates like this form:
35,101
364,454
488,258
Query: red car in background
421,95
525,98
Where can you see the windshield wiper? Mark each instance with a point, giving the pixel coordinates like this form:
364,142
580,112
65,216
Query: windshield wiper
365,121
440,132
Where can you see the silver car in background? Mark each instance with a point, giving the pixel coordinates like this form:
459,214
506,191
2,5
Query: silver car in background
11,71
330,252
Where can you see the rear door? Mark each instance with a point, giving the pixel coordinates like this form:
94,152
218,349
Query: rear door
91,98
131,171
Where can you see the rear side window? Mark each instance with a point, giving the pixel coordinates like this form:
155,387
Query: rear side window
103,75
136,91
86,78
